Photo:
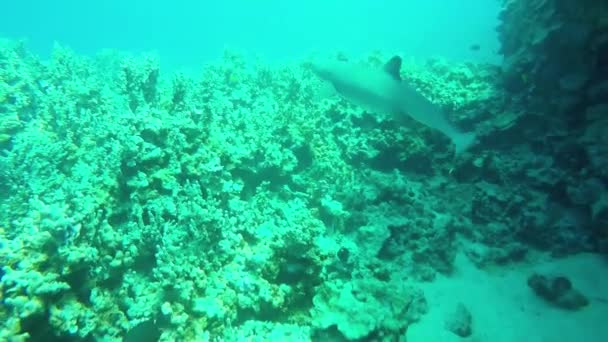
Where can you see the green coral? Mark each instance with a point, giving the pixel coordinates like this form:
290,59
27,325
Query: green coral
201,202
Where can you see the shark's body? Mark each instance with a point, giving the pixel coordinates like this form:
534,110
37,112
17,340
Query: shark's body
382,90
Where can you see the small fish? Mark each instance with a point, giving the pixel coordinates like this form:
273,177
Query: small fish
475,47
341,56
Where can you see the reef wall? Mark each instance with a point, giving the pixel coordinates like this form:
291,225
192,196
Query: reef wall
556,68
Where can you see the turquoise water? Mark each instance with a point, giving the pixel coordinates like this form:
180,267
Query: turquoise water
189,31
364,171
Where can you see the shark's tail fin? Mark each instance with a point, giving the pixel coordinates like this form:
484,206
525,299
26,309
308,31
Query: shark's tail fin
463,141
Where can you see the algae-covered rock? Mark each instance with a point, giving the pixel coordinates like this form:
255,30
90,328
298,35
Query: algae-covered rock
460,321
362,307
558,291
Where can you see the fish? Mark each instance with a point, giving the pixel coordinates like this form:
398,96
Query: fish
382,90
475,47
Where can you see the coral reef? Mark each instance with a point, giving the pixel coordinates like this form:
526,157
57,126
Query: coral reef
223,205
556,71
234,204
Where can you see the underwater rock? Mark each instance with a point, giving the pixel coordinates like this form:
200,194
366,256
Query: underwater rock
343,254
557,291
460,322
573,82
585,192
360,309
554,51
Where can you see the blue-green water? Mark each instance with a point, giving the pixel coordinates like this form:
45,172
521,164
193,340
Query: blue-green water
189,31
304,171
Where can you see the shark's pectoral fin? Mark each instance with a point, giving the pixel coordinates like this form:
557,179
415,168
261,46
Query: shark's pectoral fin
393,67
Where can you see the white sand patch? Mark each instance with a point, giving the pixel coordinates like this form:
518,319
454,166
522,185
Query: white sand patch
505,309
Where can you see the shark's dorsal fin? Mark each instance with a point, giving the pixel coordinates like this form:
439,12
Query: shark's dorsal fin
393,67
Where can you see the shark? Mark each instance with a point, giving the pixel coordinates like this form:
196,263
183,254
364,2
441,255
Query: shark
383,90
